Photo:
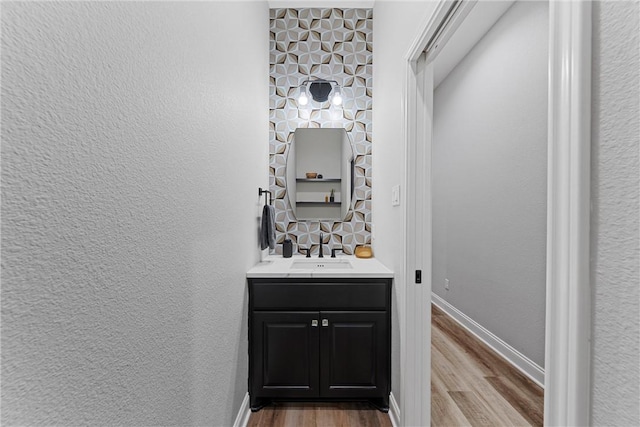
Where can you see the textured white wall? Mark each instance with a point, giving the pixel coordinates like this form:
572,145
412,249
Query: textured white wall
396,25
489,180
130,161
615,251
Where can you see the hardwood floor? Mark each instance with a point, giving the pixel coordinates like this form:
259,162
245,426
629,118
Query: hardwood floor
319,415
470,386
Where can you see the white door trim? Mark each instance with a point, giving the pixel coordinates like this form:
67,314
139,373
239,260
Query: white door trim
568,319
415,354
568,315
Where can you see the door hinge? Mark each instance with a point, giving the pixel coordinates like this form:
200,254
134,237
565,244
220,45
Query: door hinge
418,276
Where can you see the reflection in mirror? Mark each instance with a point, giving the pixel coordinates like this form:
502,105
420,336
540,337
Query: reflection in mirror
319,174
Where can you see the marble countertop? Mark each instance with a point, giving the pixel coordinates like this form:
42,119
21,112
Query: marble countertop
277,266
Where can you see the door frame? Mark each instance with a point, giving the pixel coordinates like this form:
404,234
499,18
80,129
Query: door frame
568,291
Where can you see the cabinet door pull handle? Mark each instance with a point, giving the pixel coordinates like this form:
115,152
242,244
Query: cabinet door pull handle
325,322
314,323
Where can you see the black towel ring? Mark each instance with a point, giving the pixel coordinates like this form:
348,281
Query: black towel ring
261,192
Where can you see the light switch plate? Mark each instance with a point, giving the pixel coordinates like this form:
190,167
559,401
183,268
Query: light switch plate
395,195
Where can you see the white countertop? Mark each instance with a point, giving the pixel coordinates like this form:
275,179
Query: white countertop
277,266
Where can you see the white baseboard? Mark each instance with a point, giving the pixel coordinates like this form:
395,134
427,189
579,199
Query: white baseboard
510,354
394,411
242,419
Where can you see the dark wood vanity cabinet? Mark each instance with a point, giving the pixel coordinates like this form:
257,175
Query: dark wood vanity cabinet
312,339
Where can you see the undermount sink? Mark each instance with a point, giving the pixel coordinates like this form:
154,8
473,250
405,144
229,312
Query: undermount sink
315,264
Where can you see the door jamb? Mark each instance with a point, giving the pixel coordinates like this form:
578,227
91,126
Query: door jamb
568,293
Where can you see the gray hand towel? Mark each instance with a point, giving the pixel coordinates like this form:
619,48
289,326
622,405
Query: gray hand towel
268,228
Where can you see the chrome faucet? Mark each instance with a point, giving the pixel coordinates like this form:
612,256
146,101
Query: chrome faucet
320,254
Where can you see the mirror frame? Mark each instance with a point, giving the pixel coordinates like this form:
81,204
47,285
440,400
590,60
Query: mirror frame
288,176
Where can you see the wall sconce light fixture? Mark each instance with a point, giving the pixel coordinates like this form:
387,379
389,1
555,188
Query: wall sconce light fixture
321,90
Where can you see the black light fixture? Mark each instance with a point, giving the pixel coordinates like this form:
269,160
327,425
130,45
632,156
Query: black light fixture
321,90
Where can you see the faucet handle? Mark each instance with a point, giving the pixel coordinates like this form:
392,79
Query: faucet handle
333,252
308,252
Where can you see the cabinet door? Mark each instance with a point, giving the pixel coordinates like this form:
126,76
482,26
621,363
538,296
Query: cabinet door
285,354
355,354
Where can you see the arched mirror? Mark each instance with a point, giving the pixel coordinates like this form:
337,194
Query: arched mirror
320,174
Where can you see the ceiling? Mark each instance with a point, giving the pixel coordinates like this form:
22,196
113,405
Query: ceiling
364,4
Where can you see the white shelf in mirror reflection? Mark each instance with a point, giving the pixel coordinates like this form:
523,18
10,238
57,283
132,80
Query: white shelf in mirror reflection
311,203
318,180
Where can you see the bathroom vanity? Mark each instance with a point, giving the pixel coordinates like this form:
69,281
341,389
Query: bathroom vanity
319,330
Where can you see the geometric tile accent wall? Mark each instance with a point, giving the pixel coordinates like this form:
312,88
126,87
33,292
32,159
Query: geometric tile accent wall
333,44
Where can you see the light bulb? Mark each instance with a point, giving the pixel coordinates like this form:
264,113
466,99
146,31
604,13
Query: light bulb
337,98
303,99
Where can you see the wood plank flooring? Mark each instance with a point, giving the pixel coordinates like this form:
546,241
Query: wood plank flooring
336,414
470,386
